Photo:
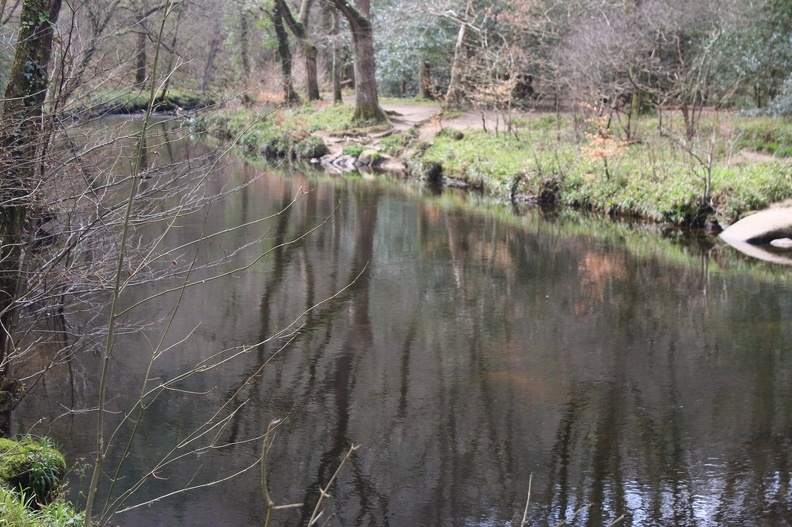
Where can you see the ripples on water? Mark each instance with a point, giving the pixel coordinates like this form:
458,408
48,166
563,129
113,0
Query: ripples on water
623,370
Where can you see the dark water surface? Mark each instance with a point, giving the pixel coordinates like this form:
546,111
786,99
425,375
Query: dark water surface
468,348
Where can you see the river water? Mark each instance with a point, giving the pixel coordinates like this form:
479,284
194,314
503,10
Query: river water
469,351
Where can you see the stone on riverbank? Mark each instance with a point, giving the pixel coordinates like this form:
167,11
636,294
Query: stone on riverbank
762,227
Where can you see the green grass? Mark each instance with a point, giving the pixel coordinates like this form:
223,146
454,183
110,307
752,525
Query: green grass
768,135
352,150
655,176
275,134
309,118
134,100
15,512
35,467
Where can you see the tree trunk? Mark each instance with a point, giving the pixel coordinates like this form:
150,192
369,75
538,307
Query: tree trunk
244,56
335,57
171,60
214,47
20,139
140,61
285,56
455,90
140,53
424,80
298,27
367,106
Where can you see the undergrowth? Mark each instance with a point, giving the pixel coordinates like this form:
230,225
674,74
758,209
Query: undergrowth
578,160
15,512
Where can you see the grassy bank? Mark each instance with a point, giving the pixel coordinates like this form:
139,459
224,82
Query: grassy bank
16,512
31,494
737,165
133,101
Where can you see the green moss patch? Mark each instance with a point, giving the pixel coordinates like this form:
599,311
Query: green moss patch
35,468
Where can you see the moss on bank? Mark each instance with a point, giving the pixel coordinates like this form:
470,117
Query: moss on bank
131,101
15,512
30,485
278,134
32,467
655,175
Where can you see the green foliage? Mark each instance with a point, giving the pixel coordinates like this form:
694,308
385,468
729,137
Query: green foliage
369,157
309,118
749,187
756,53
353,150
260,136
544,122
33,467
310,147
395,143
655,179
765,134
134,100
14,512
401,46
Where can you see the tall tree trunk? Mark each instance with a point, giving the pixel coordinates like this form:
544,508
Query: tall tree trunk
367,106
244,56
214,47
172,59
455,90
299,28
140,56
20,139
424,80
335,57
285,56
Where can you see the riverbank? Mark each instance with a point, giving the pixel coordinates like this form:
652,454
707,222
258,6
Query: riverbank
644,169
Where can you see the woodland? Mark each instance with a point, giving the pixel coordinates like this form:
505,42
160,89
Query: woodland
66,248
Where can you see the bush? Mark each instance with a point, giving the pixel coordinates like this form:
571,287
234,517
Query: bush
34,467
310,147
14,512
352,150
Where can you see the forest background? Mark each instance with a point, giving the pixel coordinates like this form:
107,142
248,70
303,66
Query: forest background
672,110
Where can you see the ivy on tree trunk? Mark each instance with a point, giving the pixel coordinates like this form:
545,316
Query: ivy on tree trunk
20,140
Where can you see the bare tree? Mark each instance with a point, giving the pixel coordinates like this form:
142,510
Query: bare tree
455,91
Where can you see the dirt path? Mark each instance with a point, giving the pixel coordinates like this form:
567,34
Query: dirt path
423,117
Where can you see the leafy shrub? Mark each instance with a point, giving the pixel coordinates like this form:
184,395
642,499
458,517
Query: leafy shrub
14,512
311,147
352,150
33,467
396,142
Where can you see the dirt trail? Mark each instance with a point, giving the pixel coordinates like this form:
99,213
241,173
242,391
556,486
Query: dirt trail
423,117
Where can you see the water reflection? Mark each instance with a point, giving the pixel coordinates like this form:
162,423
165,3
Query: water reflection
464,351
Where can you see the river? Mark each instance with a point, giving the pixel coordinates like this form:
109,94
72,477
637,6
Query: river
468,350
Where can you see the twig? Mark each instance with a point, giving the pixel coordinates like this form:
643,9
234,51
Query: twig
323,492
527,501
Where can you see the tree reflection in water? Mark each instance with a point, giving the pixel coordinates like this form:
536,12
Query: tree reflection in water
640,377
